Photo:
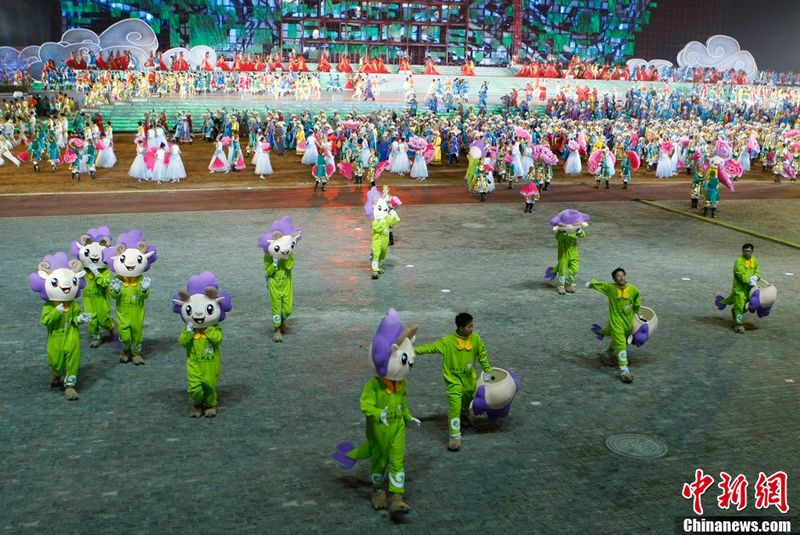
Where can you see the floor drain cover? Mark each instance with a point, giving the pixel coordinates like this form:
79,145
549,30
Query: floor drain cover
473,225
636,446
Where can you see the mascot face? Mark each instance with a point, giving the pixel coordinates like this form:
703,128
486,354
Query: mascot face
282,245
200,310
131,262
380,209
62,284
401,359
569,229
90,253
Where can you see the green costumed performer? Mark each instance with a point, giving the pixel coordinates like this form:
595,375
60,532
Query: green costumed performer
202,307
383,402
278,244
745,275
89,250
623,302
462,354
568,225
58,282
383,219
129,259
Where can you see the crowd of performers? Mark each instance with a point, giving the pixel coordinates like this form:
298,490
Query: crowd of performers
574,68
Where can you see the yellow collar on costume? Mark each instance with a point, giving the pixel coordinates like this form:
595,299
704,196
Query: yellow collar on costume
463,344
130,281
392,386
199,334
622,293
65,303
750,264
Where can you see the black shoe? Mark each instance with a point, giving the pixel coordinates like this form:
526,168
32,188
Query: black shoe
483,197
607,186
713,213
705,211
597,185
315,185
323,187
509,185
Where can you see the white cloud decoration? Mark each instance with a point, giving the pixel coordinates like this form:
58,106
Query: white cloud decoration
634,63
720,52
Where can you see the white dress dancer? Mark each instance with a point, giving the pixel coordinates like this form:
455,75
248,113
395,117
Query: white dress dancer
393,153
419,170
106,157
573,164
151,139
516,160
744,160
610,164
311,153
401,164
175,169
365,153
527,158
138,168
160,167
219,162
664,167
263,162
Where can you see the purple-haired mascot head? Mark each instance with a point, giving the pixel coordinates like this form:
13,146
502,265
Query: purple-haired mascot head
132,256
566,222
202,304
89,248
58,278
281,238
392,349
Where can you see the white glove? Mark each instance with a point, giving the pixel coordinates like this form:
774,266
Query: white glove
189,328
146,283
60,307
588,284
627,307
385,416
486,376
275,262
115,284
753,280
415,421
94,270
393,212
85,317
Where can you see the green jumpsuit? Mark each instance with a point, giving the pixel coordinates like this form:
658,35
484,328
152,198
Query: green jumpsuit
568,258
620,319
96,302
130,313
380,239
386,444
203,363
460,358
281,291
63,340
740,291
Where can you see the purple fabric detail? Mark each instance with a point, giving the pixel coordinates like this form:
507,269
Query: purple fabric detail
283,225
763,312
56,261
496,414
569,217
481,145
197,285
479,405
130,240
596,330
345,462
516,378
755,300
551,273
95,234
718,302
368,206
641,336
390,328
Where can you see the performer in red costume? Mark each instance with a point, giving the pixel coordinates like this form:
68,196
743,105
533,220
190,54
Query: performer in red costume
324,64
344,65
468,68
206,65
222,64
430,68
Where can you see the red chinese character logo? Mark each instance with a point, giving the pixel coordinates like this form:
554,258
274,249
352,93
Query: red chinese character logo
694,490
772,491
733,492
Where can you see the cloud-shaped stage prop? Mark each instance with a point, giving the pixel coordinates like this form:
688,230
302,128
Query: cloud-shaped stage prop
720,52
